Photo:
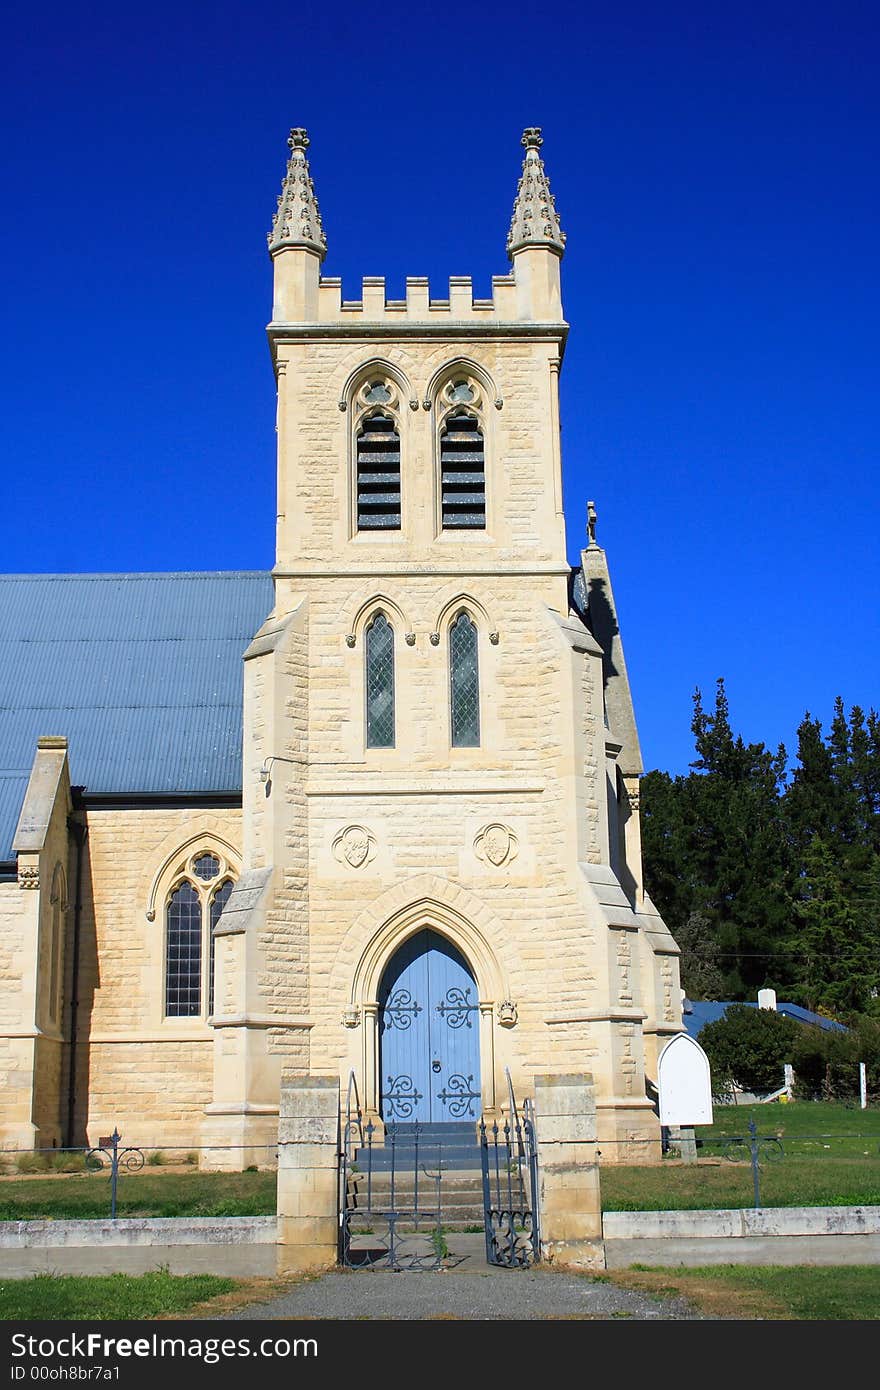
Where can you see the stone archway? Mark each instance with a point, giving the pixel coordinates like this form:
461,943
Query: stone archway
430,903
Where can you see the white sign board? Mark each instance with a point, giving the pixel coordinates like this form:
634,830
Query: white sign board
685,1083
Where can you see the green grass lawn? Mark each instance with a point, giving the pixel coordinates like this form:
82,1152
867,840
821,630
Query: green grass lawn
831,1157
806,1128
117,1296
773,1292
693,1187
151,1192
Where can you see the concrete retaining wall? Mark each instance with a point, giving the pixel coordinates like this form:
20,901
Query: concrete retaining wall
770,1235
229,1245
246,1245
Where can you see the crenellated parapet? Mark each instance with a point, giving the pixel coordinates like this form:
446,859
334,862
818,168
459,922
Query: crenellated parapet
458,305
303,297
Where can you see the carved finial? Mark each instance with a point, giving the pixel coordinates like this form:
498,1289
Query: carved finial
297,221
535,221
592,518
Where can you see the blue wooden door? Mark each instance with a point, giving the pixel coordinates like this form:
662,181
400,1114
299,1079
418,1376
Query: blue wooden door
429,1034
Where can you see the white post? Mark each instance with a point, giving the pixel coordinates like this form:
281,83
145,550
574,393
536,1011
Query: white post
863,1086
789,1080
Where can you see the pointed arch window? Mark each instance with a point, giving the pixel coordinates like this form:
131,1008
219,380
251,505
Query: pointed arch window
192,913
464,683
380,683
377,450
183,953
462,458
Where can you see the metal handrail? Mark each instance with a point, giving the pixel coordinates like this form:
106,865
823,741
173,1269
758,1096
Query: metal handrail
514,1114
353,1086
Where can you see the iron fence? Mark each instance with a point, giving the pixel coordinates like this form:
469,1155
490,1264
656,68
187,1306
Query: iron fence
112,1159
772,1156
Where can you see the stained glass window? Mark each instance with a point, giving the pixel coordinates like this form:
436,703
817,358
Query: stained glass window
183,953
377,393
380,683
191,918
461,391
218,902
206,867
464,681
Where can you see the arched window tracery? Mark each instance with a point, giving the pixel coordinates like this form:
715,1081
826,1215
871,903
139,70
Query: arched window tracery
192,912
377,455
462,454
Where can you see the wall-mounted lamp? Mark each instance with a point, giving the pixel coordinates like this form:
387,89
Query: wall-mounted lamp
266,769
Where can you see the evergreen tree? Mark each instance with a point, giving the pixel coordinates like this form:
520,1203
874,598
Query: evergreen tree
835,966
700,968
720,851
767,881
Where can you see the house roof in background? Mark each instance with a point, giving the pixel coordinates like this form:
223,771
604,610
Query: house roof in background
140,672
699,1012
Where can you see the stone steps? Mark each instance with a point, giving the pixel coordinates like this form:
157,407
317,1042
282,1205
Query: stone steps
461,1200
447,1146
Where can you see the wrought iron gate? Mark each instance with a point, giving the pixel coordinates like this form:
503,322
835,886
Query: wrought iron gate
510,1188
391,1196
390,1202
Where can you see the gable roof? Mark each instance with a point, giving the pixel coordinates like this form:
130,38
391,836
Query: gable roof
140,672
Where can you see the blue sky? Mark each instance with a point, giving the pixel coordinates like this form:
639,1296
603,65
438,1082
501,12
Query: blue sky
715,169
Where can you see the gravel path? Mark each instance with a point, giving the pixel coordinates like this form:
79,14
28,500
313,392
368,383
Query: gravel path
470,1290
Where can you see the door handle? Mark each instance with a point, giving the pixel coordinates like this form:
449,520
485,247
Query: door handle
435,1065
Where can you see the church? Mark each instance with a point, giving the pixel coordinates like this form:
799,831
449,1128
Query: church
372,814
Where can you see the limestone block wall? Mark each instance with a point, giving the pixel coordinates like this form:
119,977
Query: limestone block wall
17,923
33,912
283,979
519,394
149,1074
418,811
420,807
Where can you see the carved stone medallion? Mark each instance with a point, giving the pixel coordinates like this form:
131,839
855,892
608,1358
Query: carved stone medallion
496,843
354,846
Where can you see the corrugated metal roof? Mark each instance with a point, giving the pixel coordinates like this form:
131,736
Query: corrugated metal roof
699,1012
12,790
141,673
801,1015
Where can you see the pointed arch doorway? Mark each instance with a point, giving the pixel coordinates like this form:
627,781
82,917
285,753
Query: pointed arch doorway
429,1034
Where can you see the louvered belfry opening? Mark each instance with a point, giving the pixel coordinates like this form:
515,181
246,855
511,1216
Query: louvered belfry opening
462,473
378,475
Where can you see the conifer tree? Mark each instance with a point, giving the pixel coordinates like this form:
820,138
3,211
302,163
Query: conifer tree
834,956
769,879
714,846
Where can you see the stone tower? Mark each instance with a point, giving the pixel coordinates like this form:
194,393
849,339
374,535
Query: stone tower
441,862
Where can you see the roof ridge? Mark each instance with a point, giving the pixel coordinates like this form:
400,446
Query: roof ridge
144,574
